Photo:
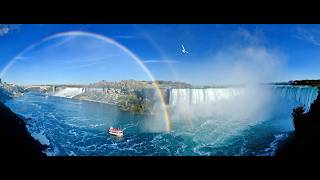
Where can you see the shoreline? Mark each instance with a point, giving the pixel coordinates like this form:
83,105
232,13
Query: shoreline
102,102
304,140
15,138
112,104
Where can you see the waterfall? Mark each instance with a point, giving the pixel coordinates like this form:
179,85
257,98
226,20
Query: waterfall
298,95
201,96
69,92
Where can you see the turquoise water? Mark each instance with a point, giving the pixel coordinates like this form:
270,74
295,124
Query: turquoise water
74,127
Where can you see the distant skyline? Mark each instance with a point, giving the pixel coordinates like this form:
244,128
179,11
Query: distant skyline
217,54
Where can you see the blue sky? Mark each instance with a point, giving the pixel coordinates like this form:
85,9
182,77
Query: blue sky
218,54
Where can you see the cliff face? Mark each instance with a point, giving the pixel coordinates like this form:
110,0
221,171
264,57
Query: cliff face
129,95
131,100
4,95
133,84
8,91
14,138
306,137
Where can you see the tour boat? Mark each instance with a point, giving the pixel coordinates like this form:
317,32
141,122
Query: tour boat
116,131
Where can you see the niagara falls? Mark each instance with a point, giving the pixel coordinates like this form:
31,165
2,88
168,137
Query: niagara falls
159,90
209,128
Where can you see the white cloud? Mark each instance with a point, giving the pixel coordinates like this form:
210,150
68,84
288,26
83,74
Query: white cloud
245,61
94,63
5,28
22,57
63,41
125,37
160,61
245,65
250,38
312,36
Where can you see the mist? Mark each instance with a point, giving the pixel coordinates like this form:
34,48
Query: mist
247,62
215,122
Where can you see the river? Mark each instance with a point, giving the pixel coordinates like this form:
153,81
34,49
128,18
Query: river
75,127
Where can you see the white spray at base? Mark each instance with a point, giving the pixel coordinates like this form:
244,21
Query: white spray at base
69,92
213,116
218,117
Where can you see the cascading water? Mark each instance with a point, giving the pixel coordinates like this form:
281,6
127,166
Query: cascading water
201,96
220,117
299,95
214,121
69,92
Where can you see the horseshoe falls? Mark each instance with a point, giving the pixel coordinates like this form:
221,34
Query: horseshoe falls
296,95
237,121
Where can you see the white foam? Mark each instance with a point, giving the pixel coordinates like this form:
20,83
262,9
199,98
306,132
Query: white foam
271,150
71,153
69,92
41,137
199,96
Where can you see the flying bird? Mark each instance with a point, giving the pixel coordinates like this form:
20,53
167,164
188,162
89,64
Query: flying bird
184,50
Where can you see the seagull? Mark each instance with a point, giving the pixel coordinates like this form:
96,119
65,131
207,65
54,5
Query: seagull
184,50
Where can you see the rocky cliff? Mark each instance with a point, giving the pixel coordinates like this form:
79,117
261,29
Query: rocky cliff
306,138
14,138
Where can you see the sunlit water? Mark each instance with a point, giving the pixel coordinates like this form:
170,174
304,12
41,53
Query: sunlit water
74,127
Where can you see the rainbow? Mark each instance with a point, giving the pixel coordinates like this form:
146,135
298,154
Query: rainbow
157,48
108,40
